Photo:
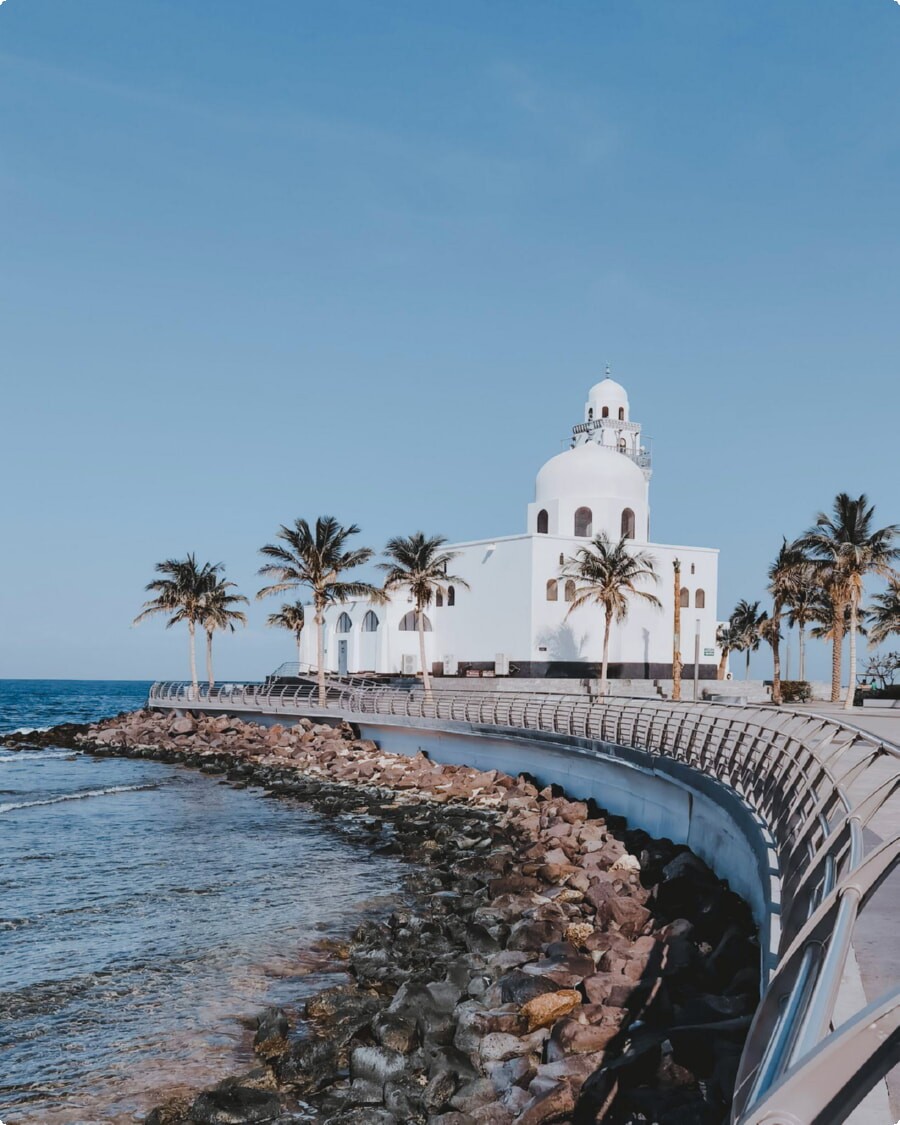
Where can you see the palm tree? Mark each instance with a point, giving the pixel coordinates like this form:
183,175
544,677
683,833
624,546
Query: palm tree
608,573
747,622
317,560
218,612
884,613
180,593
784,575
727,640
801,607
419,564
849,548
291,616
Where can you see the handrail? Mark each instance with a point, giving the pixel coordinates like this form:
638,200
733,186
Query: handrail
813,781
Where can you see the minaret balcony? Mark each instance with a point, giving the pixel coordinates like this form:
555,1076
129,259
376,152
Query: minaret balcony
606,424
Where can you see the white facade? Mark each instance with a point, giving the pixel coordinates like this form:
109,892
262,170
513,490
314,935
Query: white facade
516,607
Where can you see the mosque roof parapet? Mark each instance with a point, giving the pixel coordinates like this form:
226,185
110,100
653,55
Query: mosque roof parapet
606,424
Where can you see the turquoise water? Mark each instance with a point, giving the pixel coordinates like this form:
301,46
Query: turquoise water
145,912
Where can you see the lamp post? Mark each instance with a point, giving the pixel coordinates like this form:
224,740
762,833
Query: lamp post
676,638
697,661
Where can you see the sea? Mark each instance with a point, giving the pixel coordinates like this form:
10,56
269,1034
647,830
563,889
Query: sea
147,914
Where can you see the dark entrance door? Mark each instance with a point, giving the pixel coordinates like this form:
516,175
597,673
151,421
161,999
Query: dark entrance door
342,658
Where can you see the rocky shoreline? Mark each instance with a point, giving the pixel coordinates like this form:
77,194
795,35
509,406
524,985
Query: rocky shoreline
550,965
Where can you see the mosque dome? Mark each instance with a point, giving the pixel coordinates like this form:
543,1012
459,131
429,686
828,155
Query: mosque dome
607,399
590,470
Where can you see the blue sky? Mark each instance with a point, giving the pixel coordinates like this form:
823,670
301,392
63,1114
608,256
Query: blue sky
280,259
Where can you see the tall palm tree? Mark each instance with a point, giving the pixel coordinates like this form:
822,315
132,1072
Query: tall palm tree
850,548
218,612
785,574
884,613
317,559
418,564
179,592
607,574
801,608
291,616
747,622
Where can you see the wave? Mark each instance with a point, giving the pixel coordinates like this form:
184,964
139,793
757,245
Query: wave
78,796
38,755
27,730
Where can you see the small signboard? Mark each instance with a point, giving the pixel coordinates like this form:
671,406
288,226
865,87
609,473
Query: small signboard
709,652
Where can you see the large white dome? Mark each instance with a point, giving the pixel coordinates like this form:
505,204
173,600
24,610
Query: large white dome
589,471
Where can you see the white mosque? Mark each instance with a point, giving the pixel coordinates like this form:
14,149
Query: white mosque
513,620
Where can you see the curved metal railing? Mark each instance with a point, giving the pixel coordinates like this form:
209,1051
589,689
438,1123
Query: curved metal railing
814,782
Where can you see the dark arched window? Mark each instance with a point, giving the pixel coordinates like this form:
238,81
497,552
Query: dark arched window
628,524
408,622
552,590
685,598
344,624
623,445
543,522
451,595
700,599
370,622
605,412
562,559
583,522
439,599
621,413
590,413
570,590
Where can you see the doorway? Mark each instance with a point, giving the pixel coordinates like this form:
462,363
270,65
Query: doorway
342,658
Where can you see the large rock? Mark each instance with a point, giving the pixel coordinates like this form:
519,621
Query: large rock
544,1010
231,1104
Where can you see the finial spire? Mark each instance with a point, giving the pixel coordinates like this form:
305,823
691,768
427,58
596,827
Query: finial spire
607,370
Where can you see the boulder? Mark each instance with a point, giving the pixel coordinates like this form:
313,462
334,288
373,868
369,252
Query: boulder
544,1010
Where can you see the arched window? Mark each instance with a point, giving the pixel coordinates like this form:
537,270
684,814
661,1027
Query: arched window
685,598
439,599
570,590
552,590
344,624
700,599
408,622
621,413
590,413
605,412
627,524
623,445
583,522
543,522
370,622
693,569
451,595
562,559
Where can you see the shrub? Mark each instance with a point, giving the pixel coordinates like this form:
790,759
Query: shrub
795,691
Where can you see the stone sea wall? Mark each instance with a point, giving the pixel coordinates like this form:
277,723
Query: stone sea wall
547,965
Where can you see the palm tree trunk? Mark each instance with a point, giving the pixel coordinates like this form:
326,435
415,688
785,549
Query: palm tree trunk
801,638
420,626
676,635
194,682
320,655
747,665
776,655
851,686
209,664
837,644
299,650
723,664
604,667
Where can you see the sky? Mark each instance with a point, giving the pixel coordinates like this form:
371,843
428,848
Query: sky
260,261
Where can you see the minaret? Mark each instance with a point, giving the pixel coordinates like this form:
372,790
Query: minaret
607,423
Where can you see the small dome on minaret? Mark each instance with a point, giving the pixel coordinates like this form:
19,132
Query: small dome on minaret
607,399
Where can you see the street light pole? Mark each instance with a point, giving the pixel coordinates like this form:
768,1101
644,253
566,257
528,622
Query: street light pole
697,662
676,639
